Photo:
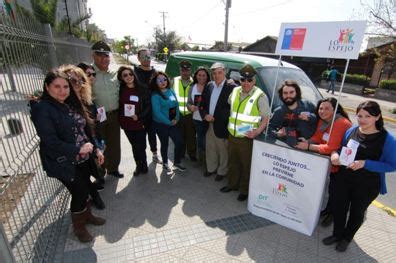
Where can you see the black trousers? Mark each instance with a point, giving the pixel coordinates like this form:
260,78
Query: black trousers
80,187
138,141
353,192
152,138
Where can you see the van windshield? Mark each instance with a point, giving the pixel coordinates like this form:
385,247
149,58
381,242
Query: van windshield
308,89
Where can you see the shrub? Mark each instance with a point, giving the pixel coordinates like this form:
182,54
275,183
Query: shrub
389,84
357,79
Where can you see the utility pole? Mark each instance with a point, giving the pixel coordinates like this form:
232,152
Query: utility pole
163,23
68,18
163,20
228,6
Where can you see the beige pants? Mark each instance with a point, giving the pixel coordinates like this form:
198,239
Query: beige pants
216,153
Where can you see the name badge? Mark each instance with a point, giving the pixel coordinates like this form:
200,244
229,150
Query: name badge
134,98
172,98
325,137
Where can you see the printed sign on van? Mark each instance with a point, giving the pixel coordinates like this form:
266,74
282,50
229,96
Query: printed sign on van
321,39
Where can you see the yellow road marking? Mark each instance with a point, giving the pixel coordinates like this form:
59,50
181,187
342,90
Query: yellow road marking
390,211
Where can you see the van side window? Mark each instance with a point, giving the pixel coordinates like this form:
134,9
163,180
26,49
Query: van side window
235,76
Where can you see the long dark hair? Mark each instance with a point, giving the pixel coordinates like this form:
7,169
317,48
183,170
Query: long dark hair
333,102
293,84
136,82
154,86
201,68
72,100
373,108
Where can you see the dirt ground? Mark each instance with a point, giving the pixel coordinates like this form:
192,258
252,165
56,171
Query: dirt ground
11,192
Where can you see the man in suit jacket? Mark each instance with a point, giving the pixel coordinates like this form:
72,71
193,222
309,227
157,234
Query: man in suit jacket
215,111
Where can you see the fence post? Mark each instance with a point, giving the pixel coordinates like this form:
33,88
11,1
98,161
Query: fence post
5,250
51,48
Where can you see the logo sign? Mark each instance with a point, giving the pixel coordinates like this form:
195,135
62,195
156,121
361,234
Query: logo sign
321,39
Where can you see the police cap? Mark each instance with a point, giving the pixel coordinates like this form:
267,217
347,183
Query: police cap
247,71
185,64
101,47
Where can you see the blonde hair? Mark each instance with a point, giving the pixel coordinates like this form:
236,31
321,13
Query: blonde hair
86,89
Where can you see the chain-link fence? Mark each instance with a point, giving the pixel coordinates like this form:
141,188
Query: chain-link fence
32,205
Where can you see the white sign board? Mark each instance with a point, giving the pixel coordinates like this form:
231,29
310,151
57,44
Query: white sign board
286,186
321,39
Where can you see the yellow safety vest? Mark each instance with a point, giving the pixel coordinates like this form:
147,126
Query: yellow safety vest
182,94
245,114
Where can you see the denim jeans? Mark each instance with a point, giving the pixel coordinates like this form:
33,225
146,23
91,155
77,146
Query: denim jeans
201,131
165,132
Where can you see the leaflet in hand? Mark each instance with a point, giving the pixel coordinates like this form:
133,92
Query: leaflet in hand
102,114
129,110
348,153
243,129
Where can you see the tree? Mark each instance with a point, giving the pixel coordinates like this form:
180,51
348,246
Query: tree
119,46
45,10
381,17
170,40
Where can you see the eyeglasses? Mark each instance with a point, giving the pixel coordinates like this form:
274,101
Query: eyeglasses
76,81
127,74
91,75
246,79
145,57
161,80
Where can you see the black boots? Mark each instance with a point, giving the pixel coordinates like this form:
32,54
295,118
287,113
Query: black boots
141,168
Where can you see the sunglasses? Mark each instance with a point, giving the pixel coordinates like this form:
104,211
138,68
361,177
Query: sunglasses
246,79
91,75
161,80
76,81
127,74
145,57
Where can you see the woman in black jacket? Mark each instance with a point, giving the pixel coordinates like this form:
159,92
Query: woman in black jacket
135,109
66,146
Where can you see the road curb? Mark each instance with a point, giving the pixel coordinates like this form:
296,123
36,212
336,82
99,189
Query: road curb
386,119
390,211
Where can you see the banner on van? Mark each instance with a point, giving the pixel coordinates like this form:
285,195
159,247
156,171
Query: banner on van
321,39
286,186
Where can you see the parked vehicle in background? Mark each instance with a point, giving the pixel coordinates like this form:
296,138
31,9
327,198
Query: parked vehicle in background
266,68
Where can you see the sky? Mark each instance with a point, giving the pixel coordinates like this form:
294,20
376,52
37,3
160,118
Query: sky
203,21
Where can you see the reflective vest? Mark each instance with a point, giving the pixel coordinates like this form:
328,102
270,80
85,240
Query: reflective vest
245,114
182,94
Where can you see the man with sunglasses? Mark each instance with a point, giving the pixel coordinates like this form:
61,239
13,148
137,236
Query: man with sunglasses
181,87
105,91
248,119
144,72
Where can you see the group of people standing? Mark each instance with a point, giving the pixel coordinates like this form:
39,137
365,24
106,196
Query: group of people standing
83,108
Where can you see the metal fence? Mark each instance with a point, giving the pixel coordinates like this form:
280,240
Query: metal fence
32,205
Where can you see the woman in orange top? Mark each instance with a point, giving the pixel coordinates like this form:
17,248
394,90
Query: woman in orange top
325,142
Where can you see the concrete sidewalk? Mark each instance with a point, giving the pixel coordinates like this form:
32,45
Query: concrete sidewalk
184,218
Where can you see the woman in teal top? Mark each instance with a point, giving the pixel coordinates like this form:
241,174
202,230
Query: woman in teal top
165,111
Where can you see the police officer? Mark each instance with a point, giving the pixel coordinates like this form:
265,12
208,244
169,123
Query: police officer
248,119
181,86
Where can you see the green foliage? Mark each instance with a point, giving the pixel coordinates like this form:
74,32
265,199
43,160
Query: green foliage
357,79
119,46
389,84
350,78
45,10
195,48
170,40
